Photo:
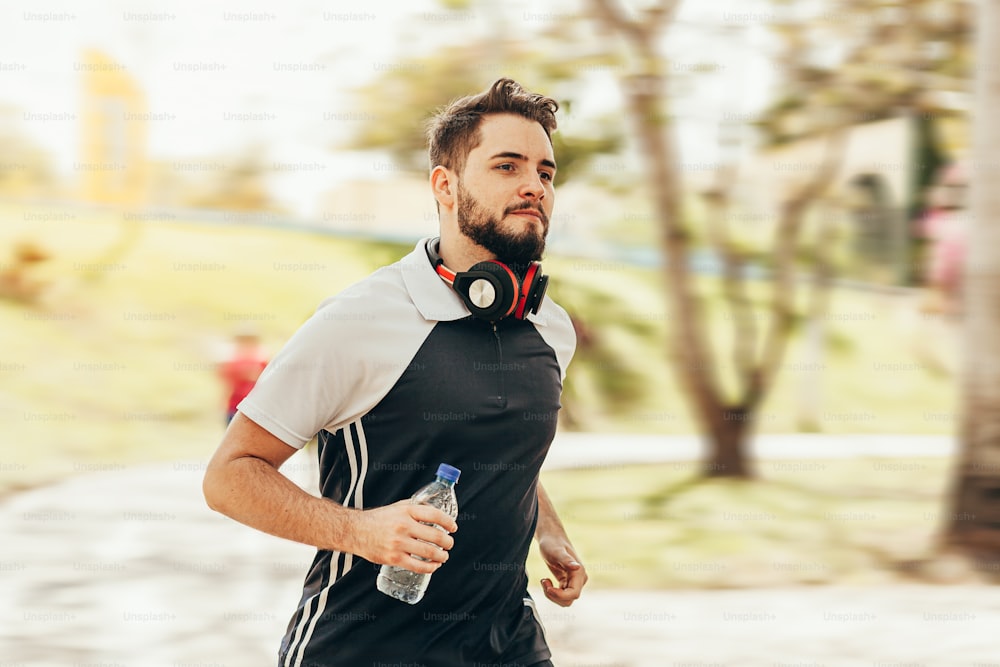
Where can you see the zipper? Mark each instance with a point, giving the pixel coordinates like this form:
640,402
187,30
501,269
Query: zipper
501,397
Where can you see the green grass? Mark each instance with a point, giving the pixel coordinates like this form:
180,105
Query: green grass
116,366
804,522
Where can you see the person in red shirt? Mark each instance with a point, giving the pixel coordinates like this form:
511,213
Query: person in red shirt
240,372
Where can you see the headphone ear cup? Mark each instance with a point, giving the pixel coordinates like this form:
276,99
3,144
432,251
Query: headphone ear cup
489,289
532,291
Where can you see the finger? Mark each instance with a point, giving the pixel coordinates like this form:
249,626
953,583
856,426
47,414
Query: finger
429,552
428,514
570,588
416,556
409,562
563,570
563,575
401,549
438,538
577,579
561,596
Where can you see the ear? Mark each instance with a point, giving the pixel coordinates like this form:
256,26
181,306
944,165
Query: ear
444,184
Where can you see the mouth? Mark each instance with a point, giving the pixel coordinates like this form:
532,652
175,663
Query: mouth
528,213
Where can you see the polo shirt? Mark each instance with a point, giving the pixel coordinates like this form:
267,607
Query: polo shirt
395,376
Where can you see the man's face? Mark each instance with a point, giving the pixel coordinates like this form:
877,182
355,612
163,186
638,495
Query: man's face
505,193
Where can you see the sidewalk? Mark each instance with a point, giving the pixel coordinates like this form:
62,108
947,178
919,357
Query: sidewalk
128,567
583,450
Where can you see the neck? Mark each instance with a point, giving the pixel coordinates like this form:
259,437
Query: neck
459,253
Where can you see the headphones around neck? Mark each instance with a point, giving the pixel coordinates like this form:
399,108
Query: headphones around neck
492,290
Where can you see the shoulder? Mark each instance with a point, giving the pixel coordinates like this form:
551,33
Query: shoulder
341,361
381,297
556,328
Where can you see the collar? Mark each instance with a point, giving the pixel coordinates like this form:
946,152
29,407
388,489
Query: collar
434,299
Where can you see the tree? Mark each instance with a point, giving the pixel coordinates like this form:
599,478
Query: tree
973,523
397,103
865,61
887,57
726,421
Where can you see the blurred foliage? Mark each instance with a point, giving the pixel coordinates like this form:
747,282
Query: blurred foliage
400,101
240,186
605,368
235,182
18,276
25,168
852,61
859,61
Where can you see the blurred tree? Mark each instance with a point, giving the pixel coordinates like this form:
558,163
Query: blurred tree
867,60
25,168
876,69
973,523
726,420
397,103
862,61
238,184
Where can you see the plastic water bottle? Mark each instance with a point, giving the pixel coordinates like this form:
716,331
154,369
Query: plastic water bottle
410,586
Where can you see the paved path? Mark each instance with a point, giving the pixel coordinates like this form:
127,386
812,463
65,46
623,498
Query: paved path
574,450
128,567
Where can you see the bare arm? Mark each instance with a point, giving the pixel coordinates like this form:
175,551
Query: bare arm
559,555
243,482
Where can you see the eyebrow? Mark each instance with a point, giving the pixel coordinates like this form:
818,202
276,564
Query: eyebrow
518,156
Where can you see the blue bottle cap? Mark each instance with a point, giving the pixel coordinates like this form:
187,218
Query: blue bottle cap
450,473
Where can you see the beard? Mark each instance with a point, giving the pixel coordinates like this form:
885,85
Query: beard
515,249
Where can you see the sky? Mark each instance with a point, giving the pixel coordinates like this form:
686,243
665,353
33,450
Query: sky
222,77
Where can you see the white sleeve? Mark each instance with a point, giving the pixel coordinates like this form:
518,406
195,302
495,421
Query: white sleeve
339,364
559,334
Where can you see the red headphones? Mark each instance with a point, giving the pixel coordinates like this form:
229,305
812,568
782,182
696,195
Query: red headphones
491,290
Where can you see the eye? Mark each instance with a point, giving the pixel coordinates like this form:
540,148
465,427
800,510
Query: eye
506,166
546,176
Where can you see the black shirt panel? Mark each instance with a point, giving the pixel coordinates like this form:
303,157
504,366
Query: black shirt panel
485,399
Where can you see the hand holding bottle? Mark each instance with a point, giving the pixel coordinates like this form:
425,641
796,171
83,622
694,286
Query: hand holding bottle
394,534
407,580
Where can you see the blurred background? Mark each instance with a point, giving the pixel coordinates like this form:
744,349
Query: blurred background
760,233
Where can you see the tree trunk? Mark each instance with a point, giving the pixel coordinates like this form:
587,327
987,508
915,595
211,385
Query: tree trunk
688,339
729,439
973,522
694,360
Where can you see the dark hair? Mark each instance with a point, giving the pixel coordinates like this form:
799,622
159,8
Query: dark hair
454,130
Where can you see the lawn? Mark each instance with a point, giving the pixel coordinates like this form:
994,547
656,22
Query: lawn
116,367
805,522
117,364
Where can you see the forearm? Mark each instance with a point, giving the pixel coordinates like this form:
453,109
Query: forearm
251,491
558,553
244,483
549,524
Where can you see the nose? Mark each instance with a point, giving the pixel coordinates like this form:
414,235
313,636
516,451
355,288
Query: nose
533,188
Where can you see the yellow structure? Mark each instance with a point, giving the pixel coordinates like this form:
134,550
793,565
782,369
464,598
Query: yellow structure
114,167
